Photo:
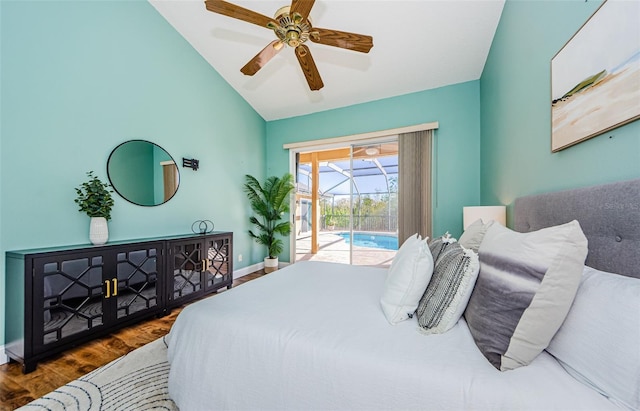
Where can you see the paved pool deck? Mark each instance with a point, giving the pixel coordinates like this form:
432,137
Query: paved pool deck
333,248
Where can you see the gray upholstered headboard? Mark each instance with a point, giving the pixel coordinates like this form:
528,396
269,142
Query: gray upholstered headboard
608,214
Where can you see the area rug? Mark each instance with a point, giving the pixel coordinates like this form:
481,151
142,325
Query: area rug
136,381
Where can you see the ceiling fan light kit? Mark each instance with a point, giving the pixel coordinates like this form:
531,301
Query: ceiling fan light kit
372,151
292,26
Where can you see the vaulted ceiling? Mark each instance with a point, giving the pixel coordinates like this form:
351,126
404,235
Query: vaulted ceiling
417,45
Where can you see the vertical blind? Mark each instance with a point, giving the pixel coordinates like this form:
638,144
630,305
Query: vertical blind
414,184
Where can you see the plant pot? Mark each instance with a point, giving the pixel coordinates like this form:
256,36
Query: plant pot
98,230
270,264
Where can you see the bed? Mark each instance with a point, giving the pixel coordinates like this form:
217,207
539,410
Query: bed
313,335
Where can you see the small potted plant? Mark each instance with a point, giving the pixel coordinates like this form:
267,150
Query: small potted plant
269,202
94,198
330,223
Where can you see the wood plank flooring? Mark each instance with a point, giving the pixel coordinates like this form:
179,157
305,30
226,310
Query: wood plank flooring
17,389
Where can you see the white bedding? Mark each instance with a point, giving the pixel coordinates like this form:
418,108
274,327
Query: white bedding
313,336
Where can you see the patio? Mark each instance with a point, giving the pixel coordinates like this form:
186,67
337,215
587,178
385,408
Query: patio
334,248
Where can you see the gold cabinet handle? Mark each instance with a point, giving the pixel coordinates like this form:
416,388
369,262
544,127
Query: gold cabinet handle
115,287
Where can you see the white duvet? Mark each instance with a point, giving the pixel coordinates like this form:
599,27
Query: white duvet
312,336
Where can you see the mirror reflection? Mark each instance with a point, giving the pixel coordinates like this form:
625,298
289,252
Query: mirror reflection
143,173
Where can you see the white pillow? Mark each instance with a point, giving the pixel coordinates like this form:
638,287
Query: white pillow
408,244
407,279
599,341
473,235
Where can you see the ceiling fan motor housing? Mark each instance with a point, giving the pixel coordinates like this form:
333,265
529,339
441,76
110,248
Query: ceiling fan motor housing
291,31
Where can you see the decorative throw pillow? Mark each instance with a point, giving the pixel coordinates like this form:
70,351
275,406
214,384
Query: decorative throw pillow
526,285
599,341
473,235
438,245
408,276
454,275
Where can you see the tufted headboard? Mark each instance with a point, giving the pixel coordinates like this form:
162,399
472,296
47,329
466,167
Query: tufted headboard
608,214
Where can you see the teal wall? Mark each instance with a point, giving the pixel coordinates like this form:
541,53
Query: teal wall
2,248
515,91
79,78
457,141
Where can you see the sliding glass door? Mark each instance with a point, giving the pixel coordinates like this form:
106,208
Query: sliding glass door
346,204
373,238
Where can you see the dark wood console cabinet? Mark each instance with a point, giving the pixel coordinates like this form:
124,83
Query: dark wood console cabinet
57,298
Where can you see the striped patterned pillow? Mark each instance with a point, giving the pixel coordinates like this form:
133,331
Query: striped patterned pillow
438,245
446,297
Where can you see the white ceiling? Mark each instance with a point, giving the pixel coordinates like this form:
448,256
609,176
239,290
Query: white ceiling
417,45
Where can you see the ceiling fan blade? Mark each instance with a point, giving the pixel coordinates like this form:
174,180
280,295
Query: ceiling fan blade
343,39
309,67
262,58
302,8
237,12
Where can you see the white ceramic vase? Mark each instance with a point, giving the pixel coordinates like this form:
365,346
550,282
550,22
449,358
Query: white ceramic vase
98,230
270,264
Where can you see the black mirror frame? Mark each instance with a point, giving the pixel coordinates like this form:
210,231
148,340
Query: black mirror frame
115,188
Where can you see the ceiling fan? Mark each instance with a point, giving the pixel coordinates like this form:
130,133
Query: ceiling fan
293,28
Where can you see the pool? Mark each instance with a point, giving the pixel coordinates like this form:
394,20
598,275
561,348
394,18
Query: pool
372,240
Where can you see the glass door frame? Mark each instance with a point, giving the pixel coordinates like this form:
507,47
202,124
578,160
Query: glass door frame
346,143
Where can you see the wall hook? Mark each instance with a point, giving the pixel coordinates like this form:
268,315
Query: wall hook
191,163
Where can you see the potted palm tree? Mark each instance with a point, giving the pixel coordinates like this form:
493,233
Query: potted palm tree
94,198
269,202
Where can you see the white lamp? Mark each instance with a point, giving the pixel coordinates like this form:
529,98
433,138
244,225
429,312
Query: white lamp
485,213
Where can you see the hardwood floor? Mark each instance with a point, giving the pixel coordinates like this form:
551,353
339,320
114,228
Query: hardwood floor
17,389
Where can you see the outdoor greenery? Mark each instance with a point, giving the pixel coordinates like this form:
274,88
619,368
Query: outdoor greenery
371,211
269,202
94,197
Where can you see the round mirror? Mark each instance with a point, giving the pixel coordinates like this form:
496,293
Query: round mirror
143,173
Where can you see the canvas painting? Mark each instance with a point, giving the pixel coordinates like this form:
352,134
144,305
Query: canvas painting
595,77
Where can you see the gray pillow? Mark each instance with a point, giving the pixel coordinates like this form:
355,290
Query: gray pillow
448,292
473,235
525,288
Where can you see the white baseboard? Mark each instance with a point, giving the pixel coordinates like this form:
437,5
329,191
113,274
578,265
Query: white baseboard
247,270
3,357
253,268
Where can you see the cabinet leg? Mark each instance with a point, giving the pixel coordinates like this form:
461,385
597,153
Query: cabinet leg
29,366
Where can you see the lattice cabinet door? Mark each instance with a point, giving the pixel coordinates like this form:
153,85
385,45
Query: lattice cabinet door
68,297
218,272
137,283
186,262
